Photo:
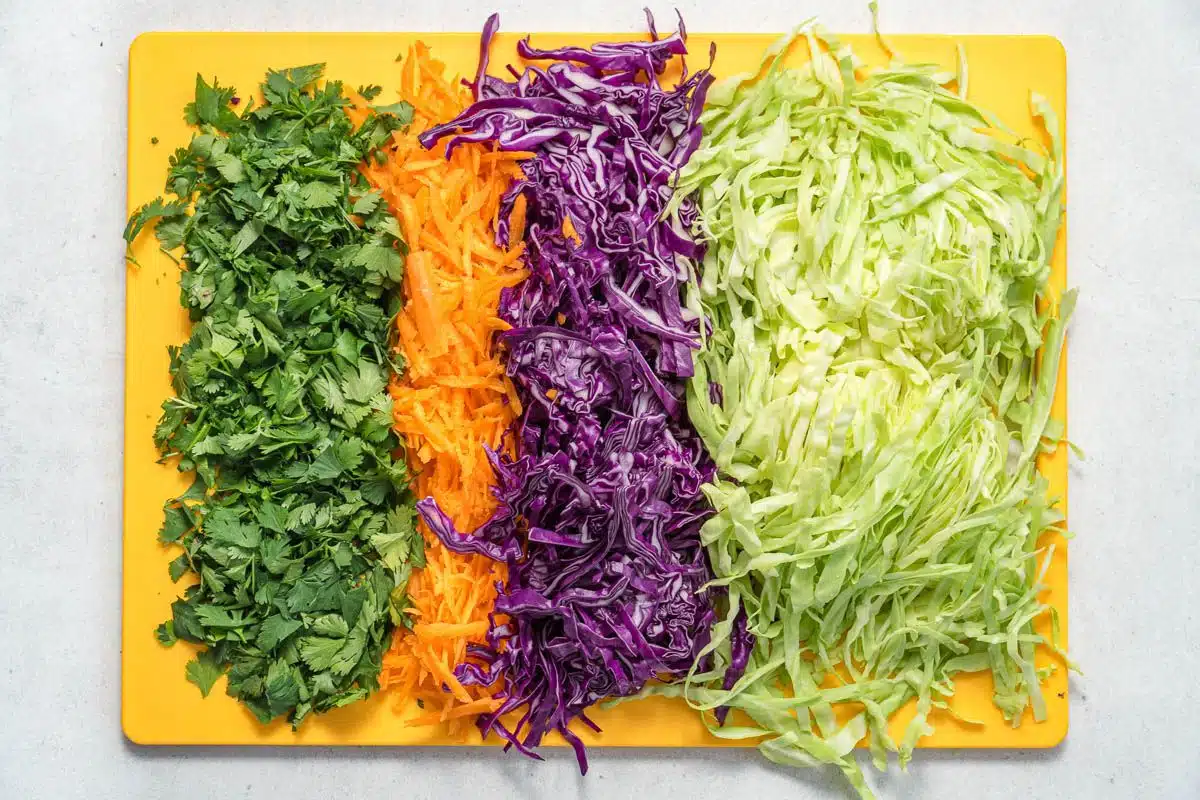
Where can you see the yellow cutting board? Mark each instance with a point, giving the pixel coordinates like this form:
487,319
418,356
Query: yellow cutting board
158,706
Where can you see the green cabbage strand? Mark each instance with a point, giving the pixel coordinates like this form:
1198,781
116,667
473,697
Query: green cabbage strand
872,278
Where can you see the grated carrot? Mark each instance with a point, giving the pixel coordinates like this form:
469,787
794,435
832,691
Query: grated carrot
455,395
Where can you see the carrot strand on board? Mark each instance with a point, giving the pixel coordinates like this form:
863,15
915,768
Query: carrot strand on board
455,394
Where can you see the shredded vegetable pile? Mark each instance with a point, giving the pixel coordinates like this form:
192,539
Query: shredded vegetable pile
870,392
599,515
454,395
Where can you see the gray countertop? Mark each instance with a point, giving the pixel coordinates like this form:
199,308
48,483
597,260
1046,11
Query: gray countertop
1134,195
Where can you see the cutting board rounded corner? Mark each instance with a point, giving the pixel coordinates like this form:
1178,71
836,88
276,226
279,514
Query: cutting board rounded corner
131,728
1060,726
1057,47
140,43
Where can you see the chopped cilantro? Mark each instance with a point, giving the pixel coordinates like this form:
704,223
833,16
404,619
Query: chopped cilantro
298,529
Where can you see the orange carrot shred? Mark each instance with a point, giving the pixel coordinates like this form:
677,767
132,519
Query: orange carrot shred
455,395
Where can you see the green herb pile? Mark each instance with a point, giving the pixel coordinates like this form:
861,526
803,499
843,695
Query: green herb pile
874,265
299,527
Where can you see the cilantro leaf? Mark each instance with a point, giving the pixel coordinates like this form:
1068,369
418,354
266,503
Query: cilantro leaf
367,203
325,466
274,630
222,526
327,392
272,516
381,261
400,540
165,633
320,652
245,237
402,111
156,210
179,567
319,194
176,522
280,84
366,384
282,688
203,670
333,625
352,651
211,616
211,106
230,167
170,232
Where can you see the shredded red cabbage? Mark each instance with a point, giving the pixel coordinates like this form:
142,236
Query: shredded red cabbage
599,516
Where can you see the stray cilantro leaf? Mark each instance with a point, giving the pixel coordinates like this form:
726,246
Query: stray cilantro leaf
156,209
165,633
402,111
203,670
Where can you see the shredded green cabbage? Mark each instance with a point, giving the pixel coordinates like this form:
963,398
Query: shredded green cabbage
875,261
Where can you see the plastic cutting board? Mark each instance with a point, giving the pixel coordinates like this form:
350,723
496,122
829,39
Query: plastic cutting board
158,705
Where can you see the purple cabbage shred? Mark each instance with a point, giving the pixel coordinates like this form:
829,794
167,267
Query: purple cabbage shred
599,517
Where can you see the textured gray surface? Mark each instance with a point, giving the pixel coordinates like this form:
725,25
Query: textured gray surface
1135,396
